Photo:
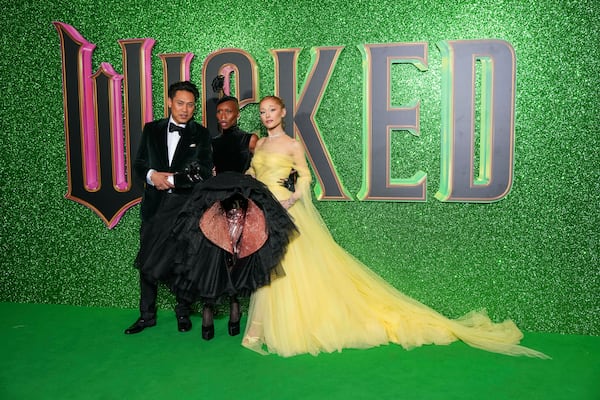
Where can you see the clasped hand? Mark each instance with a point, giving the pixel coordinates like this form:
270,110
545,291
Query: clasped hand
287,203
161,180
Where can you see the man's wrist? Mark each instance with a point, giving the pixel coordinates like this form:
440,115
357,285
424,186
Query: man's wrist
149,176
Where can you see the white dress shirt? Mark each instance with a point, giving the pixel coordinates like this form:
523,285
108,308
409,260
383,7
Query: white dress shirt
172,141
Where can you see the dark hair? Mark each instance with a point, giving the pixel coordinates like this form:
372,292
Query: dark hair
228,98
184,85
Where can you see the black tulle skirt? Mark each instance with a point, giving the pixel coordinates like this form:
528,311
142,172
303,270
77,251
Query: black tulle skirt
195,268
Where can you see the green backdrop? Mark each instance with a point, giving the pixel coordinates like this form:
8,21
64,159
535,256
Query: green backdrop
532,256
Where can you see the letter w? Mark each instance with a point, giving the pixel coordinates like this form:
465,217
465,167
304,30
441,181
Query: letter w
98,151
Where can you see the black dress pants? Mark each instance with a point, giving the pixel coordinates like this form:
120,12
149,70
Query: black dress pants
148,294
152,232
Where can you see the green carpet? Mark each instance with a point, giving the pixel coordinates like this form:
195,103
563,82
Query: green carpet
67,352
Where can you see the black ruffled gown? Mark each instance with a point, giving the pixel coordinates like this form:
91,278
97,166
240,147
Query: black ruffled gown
198,259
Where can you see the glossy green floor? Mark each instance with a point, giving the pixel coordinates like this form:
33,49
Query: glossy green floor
65,352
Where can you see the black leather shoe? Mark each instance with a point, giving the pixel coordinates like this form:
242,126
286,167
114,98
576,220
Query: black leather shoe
140,325
184,324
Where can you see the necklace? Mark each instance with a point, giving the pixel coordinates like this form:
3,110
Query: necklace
274,136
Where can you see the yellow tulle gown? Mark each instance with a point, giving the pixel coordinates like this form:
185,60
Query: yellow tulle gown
328,300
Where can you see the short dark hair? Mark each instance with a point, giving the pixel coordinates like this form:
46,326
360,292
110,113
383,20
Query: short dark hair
184,85
228,98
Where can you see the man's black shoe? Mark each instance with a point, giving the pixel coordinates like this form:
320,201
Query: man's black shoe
184,324
140,325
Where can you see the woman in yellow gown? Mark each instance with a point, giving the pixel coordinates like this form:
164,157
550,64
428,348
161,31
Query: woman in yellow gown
328,300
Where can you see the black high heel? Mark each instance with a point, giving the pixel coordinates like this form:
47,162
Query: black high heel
234,311
234,328
208,332
208,327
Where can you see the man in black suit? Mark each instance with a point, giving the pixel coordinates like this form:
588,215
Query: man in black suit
168,146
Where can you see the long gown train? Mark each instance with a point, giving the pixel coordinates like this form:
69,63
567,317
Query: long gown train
329,300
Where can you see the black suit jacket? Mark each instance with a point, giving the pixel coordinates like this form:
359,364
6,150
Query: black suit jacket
194,145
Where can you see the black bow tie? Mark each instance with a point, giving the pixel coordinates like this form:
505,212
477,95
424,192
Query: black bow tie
173,127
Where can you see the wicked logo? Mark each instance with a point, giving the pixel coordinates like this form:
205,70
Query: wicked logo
105,113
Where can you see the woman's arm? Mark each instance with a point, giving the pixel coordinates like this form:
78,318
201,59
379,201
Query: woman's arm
304,178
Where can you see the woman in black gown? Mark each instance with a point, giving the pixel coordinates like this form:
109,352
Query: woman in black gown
230,236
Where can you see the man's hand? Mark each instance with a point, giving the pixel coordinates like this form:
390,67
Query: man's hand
160,180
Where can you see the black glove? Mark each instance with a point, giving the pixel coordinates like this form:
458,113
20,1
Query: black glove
192,172
290,182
